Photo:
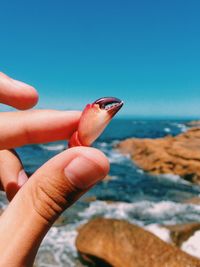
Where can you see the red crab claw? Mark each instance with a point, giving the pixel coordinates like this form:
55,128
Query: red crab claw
94,119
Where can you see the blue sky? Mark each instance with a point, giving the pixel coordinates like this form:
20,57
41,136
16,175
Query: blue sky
144,52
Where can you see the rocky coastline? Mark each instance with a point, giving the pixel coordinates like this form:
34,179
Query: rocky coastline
112,242
179,155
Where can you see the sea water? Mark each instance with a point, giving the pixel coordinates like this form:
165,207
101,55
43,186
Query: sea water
130,193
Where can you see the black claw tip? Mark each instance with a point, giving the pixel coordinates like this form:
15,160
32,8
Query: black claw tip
109,103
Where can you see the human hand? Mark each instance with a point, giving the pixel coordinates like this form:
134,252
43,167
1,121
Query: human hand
38,201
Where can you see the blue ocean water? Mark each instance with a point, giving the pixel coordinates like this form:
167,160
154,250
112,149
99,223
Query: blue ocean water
129,194
131,183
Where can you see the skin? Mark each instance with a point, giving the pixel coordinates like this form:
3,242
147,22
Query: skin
35,203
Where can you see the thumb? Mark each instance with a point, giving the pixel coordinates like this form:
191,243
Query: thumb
53,188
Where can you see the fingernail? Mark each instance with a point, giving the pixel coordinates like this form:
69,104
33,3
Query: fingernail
83,173
22,178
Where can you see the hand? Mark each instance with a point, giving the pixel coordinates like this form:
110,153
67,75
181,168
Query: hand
38,201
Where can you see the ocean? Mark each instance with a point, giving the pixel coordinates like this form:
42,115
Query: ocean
130,193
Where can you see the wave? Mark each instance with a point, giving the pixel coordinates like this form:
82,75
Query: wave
144,212
183,128
140,171
58,248
50,147
114,156
3,201
167,130
174,178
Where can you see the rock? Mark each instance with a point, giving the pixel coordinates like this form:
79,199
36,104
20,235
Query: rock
89,199
118,243
181,232
193,124
60,221
178,155
194,201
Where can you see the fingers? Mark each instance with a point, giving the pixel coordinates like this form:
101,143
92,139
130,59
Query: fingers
11,173
17,94
53,188
36,126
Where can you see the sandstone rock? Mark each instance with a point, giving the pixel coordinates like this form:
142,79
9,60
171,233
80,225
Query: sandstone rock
89,199
177,155
193,123
60,221
118,243
194,200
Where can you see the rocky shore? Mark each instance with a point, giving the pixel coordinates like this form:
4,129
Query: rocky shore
178,155
112,242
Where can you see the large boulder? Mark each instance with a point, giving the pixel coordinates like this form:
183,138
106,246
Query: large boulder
111,242
177,155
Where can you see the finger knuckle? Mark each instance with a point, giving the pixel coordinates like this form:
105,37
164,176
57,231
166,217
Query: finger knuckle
48,199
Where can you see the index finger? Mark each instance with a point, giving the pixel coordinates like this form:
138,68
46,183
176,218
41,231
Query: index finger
36,126
16,94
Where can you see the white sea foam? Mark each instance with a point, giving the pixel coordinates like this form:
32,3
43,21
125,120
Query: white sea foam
141,212
3,200
110,178
58,248
50,147
181,126
117,210
174,178
167,130
102,144
115,157
192,245
171,212
162,232
140,171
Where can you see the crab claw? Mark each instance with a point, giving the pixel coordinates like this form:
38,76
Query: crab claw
94,119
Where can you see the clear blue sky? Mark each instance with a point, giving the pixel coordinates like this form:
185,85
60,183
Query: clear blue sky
144,52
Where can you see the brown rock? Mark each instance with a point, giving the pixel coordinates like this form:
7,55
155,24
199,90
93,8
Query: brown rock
90,199
177,155
194,200
193,123
181,232
121,244
60,221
